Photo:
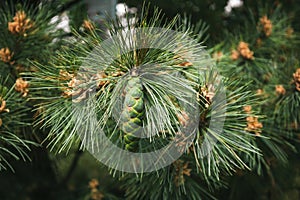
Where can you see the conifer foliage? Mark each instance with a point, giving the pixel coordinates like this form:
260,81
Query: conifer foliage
231,109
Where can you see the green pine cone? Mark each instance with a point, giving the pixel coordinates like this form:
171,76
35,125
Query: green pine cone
132,113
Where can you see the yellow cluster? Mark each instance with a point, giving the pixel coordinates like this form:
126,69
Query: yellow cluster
95,193
6,55
296,77
101,83
208,92
101,76
183,118
72,90
218,56
20,23
242,50
186,64
181,169
87,25
74,82
266,25
280,90
22,86
64,75
3,108
247,109
260,92
253,125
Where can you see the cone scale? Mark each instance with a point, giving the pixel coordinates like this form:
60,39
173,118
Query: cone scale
132,113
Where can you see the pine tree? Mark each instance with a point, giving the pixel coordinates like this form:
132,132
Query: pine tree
230,109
